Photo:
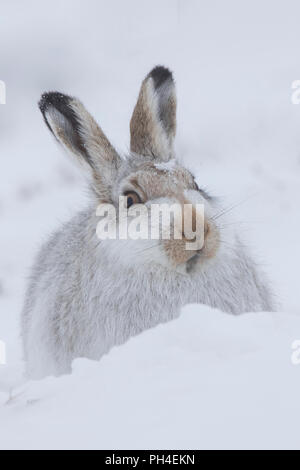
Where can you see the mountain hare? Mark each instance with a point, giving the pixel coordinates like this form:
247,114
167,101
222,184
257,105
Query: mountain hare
87,295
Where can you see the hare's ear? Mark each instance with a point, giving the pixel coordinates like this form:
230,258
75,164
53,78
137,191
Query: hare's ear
78,132
153,123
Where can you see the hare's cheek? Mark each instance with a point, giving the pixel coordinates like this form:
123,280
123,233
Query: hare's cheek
211,242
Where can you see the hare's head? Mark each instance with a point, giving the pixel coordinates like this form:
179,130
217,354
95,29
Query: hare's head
149,176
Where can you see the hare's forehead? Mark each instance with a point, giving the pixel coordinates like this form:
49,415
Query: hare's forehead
159,180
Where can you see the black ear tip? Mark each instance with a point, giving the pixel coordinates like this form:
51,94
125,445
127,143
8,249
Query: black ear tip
160,75
55,99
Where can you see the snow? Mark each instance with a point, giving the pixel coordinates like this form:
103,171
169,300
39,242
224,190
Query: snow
207,380
166,166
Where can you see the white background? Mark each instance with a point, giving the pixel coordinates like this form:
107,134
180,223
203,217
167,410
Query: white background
234,64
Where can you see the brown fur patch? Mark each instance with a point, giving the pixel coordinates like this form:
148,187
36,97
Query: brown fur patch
176,251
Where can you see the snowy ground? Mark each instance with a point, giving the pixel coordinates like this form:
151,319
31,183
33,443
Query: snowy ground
206,380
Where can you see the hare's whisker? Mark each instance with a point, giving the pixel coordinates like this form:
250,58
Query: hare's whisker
148,248
229,209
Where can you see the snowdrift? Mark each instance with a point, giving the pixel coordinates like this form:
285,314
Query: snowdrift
207,380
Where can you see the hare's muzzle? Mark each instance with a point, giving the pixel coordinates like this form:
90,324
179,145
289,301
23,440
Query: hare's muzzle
195,238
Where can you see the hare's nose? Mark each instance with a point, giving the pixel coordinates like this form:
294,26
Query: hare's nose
195,228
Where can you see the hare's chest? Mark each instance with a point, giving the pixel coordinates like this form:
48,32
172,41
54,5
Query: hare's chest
135,304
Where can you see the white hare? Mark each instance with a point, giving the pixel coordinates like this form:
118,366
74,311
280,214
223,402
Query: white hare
87,295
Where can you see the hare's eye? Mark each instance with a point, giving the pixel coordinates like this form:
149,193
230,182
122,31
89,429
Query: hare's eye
132,198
